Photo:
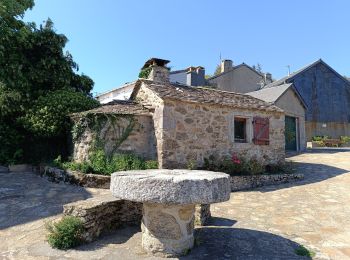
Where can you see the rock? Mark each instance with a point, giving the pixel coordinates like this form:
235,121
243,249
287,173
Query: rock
3,169
171,186
21,168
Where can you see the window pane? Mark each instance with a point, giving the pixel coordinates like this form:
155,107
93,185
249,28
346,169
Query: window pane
240,129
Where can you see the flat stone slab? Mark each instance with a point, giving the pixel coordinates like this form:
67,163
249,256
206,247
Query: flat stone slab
3,169
171,186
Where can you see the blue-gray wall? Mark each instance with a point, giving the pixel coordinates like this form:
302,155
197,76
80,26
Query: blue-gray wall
327,96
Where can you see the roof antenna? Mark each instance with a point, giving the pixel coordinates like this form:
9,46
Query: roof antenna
288,66
220,57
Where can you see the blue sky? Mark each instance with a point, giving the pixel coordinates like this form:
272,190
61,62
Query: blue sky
111,39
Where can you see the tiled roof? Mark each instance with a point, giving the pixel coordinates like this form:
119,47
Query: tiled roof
121,107
208,96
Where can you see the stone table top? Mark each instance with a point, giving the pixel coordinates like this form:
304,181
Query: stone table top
171,186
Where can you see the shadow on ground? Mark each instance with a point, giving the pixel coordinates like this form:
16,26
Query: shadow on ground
312,173
118,236
237,243
328,150
26,197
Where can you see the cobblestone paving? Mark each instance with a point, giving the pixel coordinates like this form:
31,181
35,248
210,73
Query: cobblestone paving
266,223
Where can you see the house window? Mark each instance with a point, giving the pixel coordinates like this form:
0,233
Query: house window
240,130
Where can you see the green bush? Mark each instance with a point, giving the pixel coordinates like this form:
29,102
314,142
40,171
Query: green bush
151,164
66,233
100,163
318,138
234,165
303,251
254,167
345,139
283,167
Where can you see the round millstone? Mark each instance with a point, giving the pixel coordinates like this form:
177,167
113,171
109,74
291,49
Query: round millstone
169,198
167,230
180,187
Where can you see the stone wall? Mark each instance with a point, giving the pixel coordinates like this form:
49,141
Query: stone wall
192,132
253,181
104,214
141,140
77,178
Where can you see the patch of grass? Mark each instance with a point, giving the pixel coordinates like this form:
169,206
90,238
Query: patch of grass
65,234
303,251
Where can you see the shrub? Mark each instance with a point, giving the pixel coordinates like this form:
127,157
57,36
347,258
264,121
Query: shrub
345,139
234,165
319,138
254,167
191,164
66,233
151,164
100,163
303,251
282,167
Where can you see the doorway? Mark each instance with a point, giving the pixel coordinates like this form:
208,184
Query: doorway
291,133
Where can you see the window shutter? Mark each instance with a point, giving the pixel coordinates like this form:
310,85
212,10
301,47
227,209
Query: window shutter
261,130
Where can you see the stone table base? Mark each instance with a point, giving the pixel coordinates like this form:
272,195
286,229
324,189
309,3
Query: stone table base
167,230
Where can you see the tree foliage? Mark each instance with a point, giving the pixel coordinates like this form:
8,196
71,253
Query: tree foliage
217,70
39,83
257,67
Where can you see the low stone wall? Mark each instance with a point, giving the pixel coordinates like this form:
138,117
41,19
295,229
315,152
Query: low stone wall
81,179
102,214
247,182
106,213
244,182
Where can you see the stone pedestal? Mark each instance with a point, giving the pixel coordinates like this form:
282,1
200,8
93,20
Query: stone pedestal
167,230
169,198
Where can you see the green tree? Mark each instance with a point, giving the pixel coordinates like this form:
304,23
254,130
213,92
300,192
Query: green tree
217,70
40,86
257,67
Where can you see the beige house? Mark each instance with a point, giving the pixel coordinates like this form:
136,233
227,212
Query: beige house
176,123
286,96
241,78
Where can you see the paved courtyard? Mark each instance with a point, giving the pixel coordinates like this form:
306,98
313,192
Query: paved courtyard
266,223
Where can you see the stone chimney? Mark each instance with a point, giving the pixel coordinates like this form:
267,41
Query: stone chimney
195,76
159,72
226,65
268,78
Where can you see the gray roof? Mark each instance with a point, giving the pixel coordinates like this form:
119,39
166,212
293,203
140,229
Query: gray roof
234,68
272,94
287,79
207,96
118,107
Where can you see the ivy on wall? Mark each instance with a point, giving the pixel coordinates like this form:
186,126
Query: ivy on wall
100,125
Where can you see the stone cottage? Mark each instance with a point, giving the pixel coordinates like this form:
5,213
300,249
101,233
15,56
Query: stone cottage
177,123
286,96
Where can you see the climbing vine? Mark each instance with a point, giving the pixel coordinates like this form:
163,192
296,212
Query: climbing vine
100,125
144,73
